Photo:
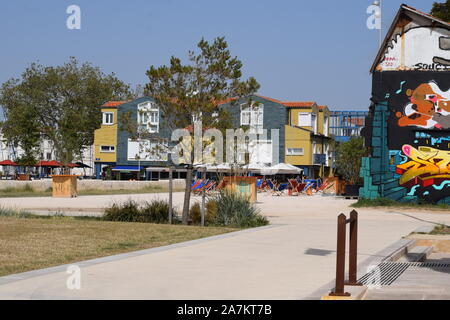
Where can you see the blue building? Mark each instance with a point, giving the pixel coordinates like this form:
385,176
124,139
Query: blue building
345,124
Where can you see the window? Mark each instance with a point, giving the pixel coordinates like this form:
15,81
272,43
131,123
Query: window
107,148
304,119
148,117
314,122
325,126
252,116
295,151
108,118
245,115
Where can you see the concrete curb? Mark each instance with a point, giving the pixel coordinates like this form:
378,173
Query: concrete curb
121,256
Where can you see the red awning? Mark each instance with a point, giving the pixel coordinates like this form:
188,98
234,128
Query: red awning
52,163
7,163
72,165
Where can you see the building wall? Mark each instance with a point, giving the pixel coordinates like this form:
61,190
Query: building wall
275,117
345,124
106,135
123,136
408,128
298,138
304,137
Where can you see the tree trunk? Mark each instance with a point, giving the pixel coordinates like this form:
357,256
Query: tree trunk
187,195
203,199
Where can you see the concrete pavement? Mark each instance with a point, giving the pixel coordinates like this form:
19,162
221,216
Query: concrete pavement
288,260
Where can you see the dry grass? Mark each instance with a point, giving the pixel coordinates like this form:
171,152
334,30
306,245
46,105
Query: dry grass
28,244
26,192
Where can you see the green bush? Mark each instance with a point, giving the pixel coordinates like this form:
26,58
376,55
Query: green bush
236,211
155,211
210,214
125,212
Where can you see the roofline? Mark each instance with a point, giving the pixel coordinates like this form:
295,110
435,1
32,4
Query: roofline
403,8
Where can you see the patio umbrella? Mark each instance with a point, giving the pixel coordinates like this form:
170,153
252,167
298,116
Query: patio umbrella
82,165
255,167
52,163
222,167
7,163
281,168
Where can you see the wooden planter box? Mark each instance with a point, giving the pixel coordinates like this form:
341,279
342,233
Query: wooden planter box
244,186
64,186
23,177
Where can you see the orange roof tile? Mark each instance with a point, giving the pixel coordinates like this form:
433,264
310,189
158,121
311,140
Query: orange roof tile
298,104
113,103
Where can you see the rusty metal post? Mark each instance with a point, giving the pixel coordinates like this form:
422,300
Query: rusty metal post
340,257
352,258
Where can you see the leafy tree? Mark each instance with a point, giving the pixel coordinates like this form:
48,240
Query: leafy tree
348,158
21,129
193,91
59,104
441,10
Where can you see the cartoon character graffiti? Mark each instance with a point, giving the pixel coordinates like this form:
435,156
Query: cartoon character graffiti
426,167
418,48
429,107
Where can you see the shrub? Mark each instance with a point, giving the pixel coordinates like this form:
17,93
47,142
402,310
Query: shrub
195,213
126,212
210,214
155,211
234,210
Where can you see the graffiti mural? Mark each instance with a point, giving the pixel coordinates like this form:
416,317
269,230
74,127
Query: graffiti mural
408,127
418,48
426,172
418,131
428,107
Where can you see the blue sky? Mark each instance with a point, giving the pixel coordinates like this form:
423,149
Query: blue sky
296,49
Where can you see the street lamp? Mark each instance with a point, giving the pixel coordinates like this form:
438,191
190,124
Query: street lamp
378,16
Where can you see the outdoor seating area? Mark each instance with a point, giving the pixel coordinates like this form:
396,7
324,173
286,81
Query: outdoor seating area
280,187
281,179
41,170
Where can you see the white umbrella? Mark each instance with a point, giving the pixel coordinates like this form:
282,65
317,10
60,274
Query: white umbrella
222,167
281,168
255,167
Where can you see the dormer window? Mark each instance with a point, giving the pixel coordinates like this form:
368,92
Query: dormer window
252,116
148,117
108,118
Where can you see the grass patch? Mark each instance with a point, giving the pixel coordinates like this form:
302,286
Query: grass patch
442,229
385,202
29,242
28,191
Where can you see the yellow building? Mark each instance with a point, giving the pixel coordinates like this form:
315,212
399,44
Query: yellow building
307,140
105,138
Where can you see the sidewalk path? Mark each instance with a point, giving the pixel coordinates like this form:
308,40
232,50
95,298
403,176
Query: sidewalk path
287,260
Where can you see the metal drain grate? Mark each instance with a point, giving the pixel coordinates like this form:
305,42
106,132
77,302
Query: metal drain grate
388,272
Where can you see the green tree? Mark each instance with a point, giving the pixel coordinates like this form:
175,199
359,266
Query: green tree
59,104
193,91
348,158
441,10
21,129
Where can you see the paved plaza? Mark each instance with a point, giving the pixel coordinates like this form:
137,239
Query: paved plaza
292,258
